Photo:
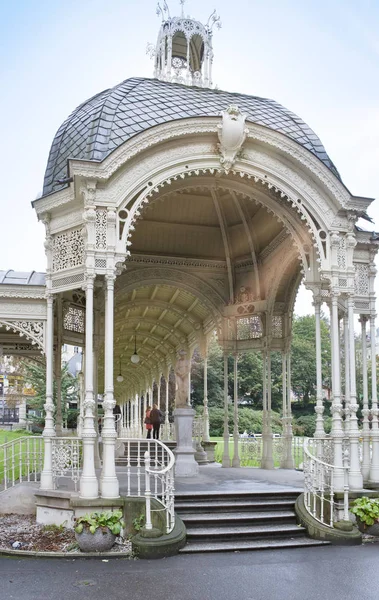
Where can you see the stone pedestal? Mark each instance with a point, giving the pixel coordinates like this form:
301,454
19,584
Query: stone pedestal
185,463
209,448
200,454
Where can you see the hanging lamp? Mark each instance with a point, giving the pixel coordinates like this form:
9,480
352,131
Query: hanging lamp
119,377
134,357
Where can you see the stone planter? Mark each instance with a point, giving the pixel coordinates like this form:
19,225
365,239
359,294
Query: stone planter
368,529
100,541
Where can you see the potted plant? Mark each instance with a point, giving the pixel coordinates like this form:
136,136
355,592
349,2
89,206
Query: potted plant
96,532
366,511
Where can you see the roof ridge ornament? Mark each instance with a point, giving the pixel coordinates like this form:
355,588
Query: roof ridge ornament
183,52
232,134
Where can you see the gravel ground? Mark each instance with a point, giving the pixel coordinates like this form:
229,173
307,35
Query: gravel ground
21,532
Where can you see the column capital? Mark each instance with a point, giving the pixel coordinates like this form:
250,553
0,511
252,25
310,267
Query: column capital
89,280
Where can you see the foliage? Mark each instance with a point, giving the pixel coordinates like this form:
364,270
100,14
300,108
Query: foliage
72,417
108,519
138,522
366,509
35,376
303,357
306,425
248,420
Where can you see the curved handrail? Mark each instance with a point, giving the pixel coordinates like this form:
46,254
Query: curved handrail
169,466
319,485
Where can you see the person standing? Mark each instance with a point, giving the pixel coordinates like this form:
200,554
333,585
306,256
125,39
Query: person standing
147,422
155,419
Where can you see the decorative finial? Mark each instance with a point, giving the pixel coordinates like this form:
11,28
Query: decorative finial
189,62
159,11
213,20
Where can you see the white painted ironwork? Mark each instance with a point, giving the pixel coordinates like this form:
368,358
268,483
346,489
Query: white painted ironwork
66,459
320,483
150,474
20,460
252,450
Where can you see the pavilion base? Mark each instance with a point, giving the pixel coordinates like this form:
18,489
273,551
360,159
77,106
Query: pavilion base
185,463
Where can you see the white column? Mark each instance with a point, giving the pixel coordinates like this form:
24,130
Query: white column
365,411
236,458
49,430
287,460
166,422
96,388
267,460
374,468
319,409
88,482
169,57
347,372
188,73
109,485
58,367
189,385
264,403
336,408
206,437
355,474
159,391
225,456
290,462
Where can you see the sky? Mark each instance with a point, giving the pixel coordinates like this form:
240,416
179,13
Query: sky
318,59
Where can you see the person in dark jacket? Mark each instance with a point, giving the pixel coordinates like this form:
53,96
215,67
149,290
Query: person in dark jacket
155,419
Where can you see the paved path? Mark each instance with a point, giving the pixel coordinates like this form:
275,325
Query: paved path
328,573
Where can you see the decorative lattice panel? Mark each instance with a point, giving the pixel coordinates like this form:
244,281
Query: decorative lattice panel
249,328
101,229
362,287
68,250
341,253
277,326
73,319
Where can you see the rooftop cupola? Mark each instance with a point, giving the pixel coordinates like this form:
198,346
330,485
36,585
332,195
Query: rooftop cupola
183,53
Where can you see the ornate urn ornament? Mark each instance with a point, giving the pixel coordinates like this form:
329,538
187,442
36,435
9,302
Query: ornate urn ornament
232,134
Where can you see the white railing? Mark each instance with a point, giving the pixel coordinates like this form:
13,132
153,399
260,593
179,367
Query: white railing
66,459
252,450
149,470
319,483
20,460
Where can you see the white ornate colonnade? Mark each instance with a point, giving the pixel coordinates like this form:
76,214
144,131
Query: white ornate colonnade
172,238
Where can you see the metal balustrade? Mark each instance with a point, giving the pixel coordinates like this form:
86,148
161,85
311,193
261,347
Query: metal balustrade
319,482
150,473
252,450
66,459
149,468
21,460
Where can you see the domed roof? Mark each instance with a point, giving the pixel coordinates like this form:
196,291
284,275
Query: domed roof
107,120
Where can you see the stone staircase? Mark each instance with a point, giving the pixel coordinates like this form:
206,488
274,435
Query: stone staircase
137,452
238,521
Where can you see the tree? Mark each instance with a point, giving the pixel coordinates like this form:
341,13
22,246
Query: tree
303,357
35,376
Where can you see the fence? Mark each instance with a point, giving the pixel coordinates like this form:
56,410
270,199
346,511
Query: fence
252,451
21,460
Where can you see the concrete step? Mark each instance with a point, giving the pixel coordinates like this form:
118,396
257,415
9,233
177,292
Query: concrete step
232,506
248,545
234,532
253,517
